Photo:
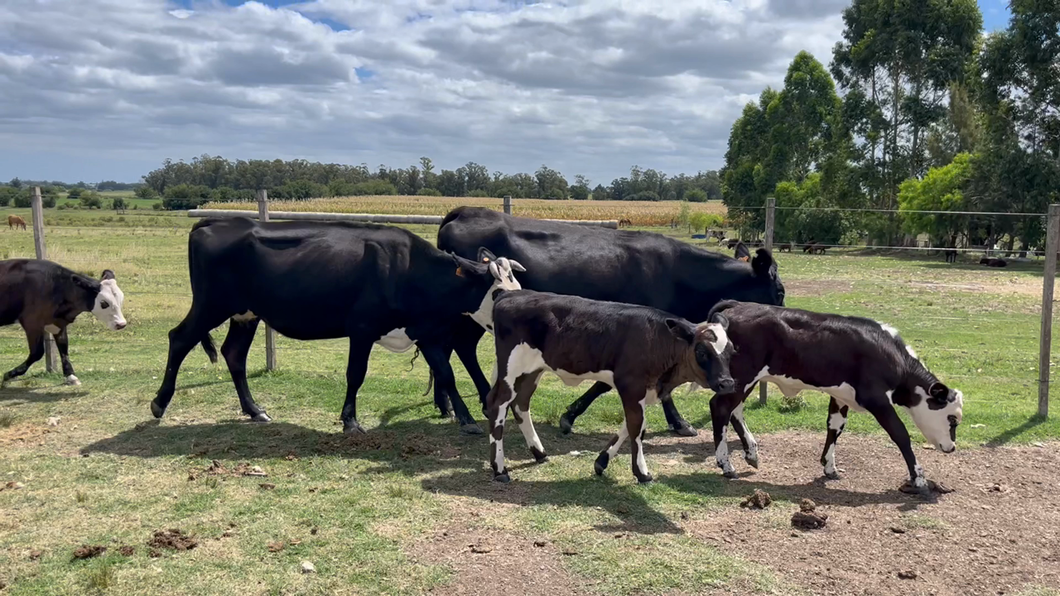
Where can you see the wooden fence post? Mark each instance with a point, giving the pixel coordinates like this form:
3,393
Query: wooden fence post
270,333
42,253
771,207
1052,244
508,204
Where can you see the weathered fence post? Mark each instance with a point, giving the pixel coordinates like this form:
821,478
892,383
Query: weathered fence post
42,253
270,333
508,204
771,208
1052,244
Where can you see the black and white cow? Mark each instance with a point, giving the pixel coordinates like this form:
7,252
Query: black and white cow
45,297
326,280
863,365
603,264
642,352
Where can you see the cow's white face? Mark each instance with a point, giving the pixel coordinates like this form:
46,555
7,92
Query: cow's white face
107,307
937,414
502,269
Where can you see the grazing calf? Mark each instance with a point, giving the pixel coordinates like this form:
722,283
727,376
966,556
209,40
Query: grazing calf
15,222
624,223
312,280
642,352
45,297
862,364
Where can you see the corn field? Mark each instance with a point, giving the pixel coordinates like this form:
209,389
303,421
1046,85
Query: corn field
639,213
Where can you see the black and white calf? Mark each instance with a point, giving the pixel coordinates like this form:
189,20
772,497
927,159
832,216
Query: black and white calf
45,297
862,364
310,280
642,352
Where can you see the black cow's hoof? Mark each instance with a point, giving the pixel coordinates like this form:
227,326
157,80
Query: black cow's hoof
156,410
646,479
730,474
260,417
601,464
753,462
565,425
353,428
503,477
539,456
684,429
470,429
832,475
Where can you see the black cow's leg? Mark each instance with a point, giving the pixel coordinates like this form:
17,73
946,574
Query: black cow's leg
356,368
235,349
445,381
566,421
182,338
750,445
837,420
62,342
465,342
889,420
524,390
721,407
678,425
35,339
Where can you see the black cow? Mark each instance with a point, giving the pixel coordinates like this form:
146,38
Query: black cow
602,264
45,297
314,280
862,364
642,352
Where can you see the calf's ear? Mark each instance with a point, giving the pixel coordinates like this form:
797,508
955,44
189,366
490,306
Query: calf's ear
682,330
720,319
516,266
107,274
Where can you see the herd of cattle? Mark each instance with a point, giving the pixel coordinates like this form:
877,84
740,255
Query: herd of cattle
632,311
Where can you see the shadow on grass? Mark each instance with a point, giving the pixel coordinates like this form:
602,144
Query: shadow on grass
39,394
1012,433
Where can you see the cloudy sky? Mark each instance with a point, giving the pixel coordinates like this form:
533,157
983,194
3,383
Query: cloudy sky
106,89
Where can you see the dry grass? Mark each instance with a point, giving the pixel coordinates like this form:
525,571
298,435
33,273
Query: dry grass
639,213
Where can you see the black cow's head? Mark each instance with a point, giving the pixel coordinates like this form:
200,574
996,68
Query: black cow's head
494,275
711,349
767,287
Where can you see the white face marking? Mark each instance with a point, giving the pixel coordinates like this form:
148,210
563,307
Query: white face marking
722,337
843,393
108,305
935,424
503,279
245,317
52,329
396,341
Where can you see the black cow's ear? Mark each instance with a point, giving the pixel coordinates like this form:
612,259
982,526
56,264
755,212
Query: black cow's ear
939,392
485,256
762,262
682,330
107,274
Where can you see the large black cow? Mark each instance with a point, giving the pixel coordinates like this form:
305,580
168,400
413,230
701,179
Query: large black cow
602,264
314,280
642,352
45,297
862,364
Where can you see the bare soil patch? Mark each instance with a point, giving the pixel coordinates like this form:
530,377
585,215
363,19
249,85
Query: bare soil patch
979,539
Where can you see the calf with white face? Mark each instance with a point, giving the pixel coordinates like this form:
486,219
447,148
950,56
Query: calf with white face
642,352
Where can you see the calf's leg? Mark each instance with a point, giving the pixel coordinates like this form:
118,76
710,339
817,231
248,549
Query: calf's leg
445,381
837,421
465,342
721,407
889,420
36,352
62,342
678,425
235,349
498,400
356,368
636,424
750,445
524,390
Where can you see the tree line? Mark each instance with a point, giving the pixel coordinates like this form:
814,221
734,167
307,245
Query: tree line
214,178
919,111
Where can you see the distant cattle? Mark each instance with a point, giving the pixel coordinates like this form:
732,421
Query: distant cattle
786,246
951,255
993,262
601,264
45,297
311,280
15,222
642,352
862,364
813,247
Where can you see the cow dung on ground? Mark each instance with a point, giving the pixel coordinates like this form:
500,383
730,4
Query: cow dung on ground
807,517
173,539
89,551
759,499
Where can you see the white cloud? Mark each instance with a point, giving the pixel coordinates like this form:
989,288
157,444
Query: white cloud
99,89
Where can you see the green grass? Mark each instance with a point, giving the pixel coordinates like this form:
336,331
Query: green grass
109,474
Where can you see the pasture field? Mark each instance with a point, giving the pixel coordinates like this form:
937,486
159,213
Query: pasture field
410,507
639,213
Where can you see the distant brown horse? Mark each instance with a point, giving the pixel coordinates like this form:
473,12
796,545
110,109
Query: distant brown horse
15,222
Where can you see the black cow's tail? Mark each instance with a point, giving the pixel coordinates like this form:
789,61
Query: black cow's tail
430,371
208,347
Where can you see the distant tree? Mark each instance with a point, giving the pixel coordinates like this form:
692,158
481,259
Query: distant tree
74,193
550,184
429,192
119,204
696,195
146,192
600,193
942,189
15,183
91,200
579,191
7,194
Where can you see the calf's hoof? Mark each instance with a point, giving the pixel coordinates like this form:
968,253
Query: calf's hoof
503,477
260,417
601,464
751,461
72,381
566,425
645,479
832,475
684,429
539,456
156,410
470,429
353,428
731,474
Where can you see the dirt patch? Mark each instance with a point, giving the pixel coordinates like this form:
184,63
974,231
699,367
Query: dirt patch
24,433
494,563
974,541
89,551
216,468
173,539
